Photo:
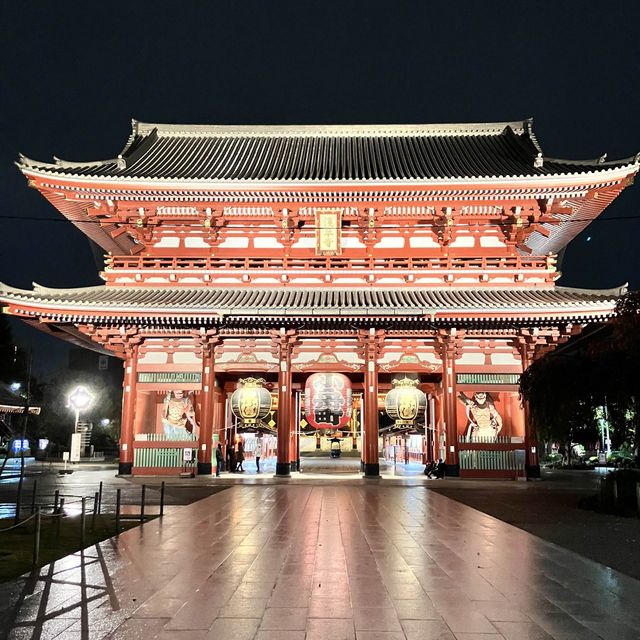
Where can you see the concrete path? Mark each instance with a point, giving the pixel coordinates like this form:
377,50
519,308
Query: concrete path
288,562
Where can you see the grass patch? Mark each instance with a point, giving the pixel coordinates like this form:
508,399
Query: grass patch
56,541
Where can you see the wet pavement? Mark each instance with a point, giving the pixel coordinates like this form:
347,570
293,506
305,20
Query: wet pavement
366,561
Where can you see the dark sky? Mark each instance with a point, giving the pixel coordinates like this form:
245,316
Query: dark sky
74,74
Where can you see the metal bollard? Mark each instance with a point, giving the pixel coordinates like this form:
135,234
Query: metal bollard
56,498
142,498
96,503
36,539
100,498
162,499
59,515
33,497
638,498
118,492
82,519
615,493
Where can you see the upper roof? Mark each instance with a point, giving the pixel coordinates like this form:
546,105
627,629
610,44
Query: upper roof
303,153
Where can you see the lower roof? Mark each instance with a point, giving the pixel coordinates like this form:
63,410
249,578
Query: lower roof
208,302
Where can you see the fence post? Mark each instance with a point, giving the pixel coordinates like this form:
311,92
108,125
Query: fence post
36,540
82,519
118,492
33,497
96,503
162,499
142,497
100,498
59,516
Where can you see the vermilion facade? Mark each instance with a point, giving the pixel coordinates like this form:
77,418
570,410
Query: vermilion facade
377,252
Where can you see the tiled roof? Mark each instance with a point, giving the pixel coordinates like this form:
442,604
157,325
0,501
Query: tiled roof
11,402
310,302
326,153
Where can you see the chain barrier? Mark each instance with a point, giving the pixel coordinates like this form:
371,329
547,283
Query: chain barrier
58,512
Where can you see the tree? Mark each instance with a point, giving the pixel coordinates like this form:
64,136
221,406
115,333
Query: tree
564,389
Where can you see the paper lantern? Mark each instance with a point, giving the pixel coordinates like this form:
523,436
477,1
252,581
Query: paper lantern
405,402
328,400
251,402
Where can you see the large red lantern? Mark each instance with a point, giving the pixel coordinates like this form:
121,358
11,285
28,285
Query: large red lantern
328,400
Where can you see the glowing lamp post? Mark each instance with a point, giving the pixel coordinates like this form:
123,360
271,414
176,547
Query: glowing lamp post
80,400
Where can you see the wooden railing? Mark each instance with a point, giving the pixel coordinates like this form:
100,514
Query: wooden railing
211,263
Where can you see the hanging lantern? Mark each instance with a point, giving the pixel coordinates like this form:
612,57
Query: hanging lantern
328,400
405,402
251,402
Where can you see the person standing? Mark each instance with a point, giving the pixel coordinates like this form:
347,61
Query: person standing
258,452
231,458
219,459
240,457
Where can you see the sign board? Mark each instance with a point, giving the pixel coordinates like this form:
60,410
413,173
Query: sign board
65,456
602,458
488,378
170,377
76,444
103,363
187,455
328,231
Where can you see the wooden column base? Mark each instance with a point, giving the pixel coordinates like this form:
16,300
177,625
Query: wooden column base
371,470
204,468
125,468
283,469
532,471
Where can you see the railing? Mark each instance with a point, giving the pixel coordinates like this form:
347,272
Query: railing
81,506
164,458
490,440
161,437
510,460
211,263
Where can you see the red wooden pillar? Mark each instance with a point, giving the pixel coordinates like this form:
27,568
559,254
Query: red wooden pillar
532,459
449,404
206,410
370,452
283,464
129,384
294,451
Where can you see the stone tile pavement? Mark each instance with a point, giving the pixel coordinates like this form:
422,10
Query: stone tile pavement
292,562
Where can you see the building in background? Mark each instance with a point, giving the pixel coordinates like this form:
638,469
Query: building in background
276,252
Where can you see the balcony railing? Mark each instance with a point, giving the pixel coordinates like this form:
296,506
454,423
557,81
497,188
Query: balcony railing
211,263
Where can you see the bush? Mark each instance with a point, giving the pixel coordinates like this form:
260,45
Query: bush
623,482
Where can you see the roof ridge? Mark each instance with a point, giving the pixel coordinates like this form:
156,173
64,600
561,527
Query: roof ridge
613,291
309,130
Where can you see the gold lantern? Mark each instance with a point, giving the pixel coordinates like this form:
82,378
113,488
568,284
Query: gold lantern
251,402
405,402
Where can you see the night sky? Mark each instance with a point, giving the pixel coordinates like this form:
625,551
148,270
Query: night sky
75,73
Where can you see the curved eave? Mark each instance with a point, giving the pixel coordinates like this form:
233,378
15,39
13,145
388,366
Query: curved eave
97,181
22,306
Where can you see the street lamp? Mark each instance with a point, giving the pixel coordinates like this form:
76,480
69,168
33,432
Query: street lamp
79,400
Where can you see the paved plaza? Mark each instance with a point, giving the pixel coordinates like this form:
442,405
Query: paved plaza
288,561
